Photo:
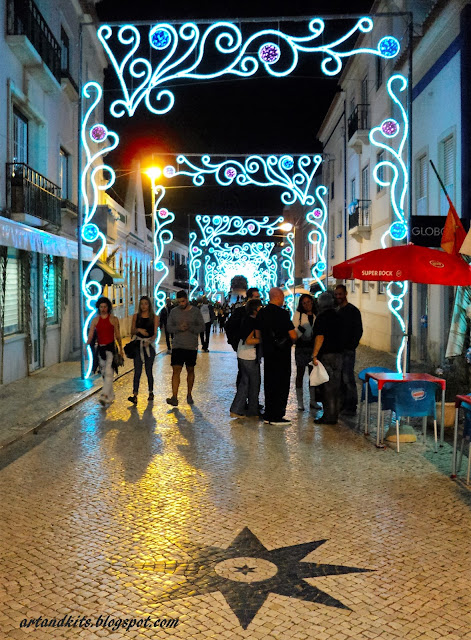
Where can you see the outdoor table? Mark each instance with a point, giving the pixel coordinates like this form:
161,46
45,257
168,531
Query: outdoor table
458,402
383,378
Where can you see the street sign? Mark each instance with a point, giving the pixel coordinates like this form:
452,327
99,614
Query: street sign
426,231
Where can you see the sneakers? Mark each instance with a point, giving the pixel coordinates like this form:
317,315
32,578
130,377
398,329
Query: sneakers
236,415
189,399
278,423
173,401
133,399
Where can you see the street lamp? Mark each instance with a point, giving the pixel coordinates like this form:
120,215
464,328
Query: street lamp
153,173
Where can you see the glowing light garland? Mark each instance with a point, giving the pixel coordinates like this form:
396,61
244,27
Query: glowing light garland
178,54
294,176
162,236
399,183
254,260
97,133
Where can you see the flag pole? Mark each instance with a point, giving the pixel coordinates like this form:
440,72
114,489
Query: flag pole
440,181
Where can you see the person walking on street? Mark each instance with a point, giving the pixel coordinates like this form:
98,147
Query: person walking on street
107,331
233,324
328,348
164,314
185,322
144,328
207,312
277,332
303,321
248,360
353,330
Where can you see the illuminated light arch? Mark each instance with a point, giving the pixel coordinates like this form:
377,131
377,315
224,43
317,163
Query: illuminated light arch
398,186
179,54
222,260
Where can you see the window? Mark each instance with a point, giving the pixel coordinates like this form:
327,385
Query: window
422,185
352,286
12,319
332,190
50,289
332,237
20,137
380,171
352,105
64,174
379,72
121,294
65,50
171,258
447,153
364,90
381,288
353,189
365,286
365,183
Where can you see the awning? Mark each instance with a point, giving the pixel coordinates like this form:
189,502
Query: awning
20,236
105,275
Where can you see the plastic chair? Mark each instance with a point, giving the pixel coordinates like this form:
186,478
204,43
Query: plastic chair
466,438
372,388
414,399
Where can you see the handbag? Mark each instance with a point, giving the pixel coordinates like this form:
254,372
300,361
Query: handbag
118,360
131,349
318,375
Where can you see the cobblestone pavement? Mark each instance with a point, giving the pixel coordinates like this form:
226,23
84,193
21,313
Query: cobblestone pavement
235,528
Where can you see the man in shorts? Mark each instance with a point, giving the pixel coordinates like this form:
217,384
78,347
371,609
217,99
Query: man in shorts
185,322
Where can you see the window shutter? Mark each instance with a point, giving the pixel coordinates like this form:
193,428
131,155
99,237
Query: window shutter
448,151
12,302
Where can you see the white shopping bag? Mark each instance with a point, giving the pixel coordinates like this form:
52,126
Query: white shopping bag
318,375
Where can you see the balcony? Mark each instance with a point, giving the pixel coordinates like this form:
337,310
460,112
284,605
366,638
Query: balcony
32,198
358,128
359,219
34,44
67,206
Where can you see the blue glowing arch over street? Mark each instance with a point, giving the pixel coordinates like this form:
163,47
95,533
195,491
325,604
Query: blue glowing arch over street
152,57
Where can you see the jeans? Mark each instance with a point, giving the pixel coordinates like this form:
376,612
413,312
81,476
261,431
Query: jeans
348,386
148,364
277,375
330,391
204,336
106,370
248,388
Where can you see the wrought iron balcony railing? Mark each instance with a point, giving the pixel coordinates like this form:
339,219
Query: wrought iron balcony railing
358,119
359,214
28,192
24,18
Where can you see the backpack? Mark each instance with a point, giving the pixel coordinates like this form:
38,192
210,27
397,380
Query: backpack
233,327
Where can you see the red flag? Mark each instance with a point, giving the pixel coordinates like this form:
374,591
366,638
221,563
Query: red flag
453,232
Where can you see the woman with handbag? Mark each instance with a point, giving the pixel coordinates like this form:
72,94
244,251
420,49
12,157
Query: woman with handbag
144,331
303,321
105,328
248,360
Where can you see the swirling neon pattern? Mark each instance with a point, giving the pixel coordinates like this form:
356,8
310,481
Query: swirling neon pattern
195,52
399,184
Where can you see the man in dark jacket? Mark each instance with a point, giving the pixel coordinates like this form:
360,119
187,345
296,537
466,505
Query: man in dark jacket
328,333
278,334
353,330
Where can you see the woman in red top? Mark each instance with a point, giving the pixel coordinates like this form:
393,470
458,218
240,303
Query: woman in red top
107,332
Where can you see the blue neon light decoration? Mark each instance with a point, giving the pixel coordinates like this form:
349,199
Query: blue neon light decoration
222,262
383,136
318,237
184,51
162,236
95,134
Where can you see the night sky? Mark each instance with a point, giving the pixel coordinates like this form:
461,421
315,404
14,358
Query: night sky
254,115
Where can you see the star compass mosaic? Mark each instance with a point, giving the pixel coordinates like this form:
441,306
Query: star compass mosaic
247,572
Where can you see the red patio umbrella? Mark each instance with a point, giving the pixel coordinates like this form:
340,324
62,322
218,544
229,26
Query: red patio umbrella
407,262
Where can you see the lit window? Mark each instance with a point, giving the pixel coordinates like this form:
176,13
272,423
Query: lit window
12,311
50,289
365,286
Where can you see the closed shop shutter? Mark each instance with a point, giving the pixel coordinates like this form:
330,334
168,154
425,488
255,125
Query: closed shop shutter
12,300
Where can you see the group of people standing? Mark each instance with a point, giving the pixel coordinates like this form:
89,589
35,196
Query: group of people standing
320,332
323,334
